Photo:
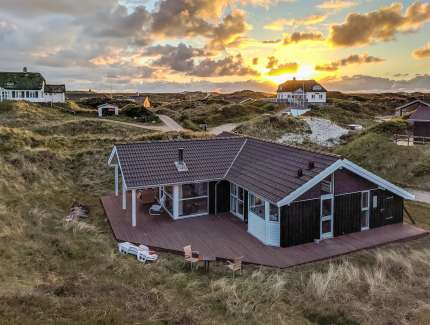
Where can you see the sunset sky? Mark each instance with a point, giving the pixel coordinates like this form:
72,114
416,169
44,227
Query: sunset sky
219,45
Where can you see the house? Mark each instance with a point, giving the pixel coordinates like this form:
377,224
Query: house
282,194
300,93
107,109
409,107
418,113
29,86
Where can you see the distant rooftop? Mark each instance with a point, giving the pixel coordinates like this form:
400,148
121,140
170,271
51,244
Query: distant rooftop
21,80
294,85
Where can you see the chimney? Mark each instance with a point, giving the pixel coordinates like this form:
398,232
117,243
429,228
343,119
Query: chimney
181,166
181,155
25,70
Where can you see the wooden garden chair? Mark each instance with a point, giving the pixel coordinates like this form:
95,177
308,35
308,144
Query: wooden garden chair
189,257
235,266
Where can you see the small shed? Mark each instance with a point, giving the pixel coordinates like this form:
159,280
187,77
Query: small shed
420,121
107,109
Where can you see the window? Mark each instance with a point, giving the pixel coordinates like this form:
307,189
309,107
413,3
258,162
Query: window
36,94
13,93
256,205
364,217
193,199
27,94
237,195
274,213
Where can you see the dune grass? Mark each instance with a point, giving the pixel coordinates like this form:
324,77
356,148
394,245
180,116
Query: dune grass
53,272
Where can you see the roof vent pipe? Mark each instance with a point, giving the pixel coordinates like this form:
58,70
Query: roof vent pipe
300,173
311,165
181,155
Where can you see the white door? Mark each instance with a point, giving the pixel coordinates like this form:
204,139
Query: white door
237,200
326,224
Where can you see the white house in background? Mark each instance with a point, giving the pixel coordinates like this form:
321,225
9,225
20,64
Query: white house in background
29,86
107,109
299,93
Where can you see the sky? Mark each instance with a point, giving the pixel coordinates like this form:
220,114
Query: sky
219,45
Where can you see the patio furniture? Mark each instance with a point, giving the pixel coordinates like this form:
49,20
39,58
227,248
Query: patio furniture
235,266
125,247
155,209
144,256
189,256
206,261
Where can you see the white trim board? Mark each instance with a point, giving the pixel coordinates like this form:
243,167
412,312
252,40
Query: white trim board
349,165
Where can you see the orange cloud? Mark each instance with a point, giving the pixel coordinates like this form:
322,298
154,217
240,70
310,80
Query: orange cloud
336,4
423,52
352,59
298,37
380,25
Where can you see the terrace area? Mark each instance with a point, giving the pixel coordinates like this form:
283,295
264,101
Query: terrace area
225,237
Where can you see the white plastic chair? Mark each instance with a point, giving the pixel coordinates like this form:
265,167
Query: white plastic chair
155,209
145,256
124,247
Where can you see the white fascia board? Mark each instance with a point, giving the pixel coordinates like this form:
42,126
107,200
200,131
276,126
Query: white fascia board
112,155
311,183
377,180
349,165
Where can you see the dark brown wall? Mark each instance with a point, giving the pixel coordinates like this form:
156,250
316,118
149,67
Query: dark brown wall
348,182
223,196
389,209
300,223
422,129
347,211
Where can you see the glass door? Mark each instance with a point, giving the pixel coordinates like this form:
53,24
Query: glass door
236,200
326,225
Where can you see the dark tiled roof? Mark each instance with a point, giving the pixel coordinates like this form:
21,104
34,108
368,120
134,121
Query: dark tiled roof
412,105
421,114
265,168
153,163
21,80
55,89
293,85
270,169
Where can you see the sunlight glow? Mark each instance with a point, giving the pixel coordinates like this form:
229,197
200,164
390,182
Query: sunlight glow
305,72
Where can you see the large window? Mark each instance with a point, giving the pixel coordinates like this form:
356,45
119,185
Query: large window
167,192
365,202
274,213
193,199
237,195
256,205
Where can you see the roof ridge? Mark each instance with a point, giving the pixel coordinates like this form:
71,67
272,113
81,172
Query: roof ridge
175,140
291,146
235,158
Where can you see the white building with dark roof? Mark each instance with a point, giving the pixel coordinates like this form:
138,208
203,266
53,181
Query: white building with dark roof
29,86
299,93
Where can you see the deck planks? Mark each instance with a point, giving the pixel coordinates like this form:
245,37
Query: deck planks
226,237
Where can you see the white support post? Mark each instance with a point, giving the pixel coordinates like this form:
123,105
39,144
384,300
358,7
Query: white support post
175,201
124,196
116,180
266,219
133,208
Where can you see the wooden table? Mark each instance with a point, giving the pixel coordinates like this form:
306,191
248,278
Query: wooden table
206,261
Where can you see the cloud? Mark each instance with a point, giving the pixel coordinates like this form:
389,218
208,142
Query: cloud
298,37
352,59
229,66
271,62
285,68
380,25
363,83
423,52
336,4
275,41
281,23
255,61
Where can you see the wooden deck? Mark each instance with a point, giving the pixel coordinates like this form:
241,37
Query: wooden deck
225,237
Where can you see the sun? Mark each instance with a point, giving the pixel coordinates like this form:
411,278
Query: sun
304,72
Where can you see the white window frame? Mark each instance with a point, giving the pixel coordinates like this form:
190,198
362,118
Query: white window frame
194,198
363,209
326,218
237,199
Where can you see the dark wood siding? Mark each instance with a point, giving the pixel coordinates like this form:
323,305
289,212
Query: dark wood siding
348,182
300,223
223,196
422,129
212,197
347,211
389,209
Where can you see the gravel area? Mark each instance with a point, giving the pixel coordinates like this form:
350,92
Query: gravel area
324,132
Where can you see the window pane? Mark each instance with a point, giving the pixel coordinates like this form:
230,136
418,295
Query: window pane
194,190
193,206
364,200
274,213
233,203
168,190
326,208
233,189
326,226
257,206
240,193
240,208
168,204
365,219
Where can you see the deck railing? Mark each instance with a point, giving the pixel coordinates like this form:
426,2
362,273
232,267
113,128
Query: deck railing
406,139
